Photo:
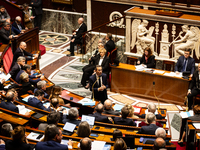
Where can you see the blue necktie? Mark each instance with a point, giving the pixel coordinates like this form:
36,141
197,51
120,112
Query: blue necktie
184,65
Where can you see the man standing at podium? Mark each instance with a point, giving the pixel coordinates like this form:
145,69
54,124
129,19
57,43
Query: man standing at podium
98,85
194,87
185,63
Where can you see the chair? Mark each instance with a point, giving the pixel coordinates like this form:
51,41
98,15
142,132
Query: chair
131,60
7,59
168,65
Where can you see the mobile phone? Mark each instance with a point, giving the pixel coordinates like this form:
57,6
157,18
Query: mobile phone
39,136
141,140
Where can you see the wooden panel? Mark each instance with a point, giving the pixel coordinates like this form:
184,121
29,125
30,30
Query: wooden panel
127,80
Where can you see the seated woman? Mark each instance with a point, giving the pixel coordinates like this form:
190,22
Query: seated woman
148,59
19,141
26,85
54,105
131,111
55,93
83,129
120,144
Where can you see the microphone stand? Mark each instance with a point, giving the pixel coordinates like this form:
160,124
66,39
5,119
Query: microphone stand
93,88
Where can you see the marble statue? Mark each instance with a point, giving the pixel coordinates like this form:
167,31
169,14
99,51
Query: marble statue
189,40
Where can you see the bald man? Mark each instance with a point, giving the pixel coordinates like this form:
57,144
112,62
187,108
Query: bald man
77,35
21,51
108,108
17,27
86,144
194,87
159,143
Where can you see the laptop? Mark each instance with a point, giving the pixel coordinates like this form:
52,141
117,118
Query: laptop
89,119
68,128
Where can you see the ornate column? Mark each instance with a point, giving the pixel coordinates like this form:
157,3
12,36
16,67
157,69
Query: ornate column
89,15
128,33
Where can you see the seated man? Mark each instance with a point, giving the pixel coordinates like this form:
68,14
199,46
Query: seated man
85,144
123,120
77,36
108,108
152,108
17,67
5,34
17,26
52,118
185,63
21,51
36,100
9,103
73,115
27,87
194,87
151,128
52,140
3,15
98,114
6,129
110,45
116,134
27,69
15,93
159,143
41,85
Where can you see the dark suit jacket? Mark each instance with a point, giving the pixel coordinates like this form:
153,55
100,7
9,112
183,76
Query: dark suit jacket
36,7
82,29
50,145
99,95
100,118
124,121
105,64
9,105
196,117
74,121
33,101
109,46
23,53
6,16
112,112
148,129
195,80
16,29
15,145
17,79
190,64
158,116
4,35
45,94
14,71
150,61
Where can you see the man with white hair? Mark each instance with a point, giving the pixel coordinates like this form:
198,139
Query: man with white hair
17,26
21,51
41,85
77,35
151,128
73,115
108,108
152,108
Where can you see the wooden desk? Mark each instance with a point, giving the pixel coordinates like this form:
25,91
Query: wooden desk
125,79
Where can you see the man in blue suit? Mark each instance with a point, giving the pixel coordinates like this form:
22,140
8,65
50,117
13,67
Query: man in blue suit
52,140
185,63
98,85
36,100
9,103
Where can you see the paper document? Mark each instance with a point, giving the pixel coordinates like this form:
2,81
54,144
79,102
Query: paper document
118,107
23,110
87,101
186,114
98,145
35,136
158,71
4,76
26,98
196,125
139,67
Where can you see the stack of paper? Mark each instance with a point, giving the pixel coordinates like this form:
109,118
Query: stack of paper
26,98
139,68
158,71
22,109
186,114
4,76
98,145
86,102
35,136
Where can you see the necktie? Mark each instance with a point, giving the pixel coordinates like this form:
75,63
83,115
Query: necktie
99,82
184,65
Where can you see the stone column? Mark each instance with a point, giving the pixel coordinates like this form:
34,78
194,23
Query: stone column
128,33
89,15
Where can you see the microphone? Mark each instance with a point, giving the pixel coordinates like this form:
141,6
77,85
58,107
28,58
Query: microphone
155,95
93,87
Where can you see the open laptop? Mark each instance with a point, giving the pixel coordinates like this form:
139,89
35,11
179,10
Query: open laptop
89,119
68,128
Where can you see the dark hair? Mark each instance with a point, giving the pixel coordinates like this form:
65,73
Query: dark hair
38,93
99,108
109,35
2,6
149,51
125,112
188,50
6,129
120,144
98,66
18,134
26,66
5,24
117,133
50,132
83,129
196,109
159,145
85,144
53,117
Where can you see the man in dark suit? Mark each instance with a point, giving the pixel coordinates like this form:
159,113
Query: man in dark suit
110,45
185,63
3,15
9,103
53,137
98,85
108,108
6,34
101,60
37,12
36,100
152,108
42,85
194,87
17,27
123,120
73,115
85,144
21,51
17,67
98,114
151,128
159,144
77,36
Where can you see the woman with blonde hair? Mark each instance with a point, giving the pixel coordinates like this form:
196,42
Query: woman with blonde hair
131,111
83,129
19,141
55,93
